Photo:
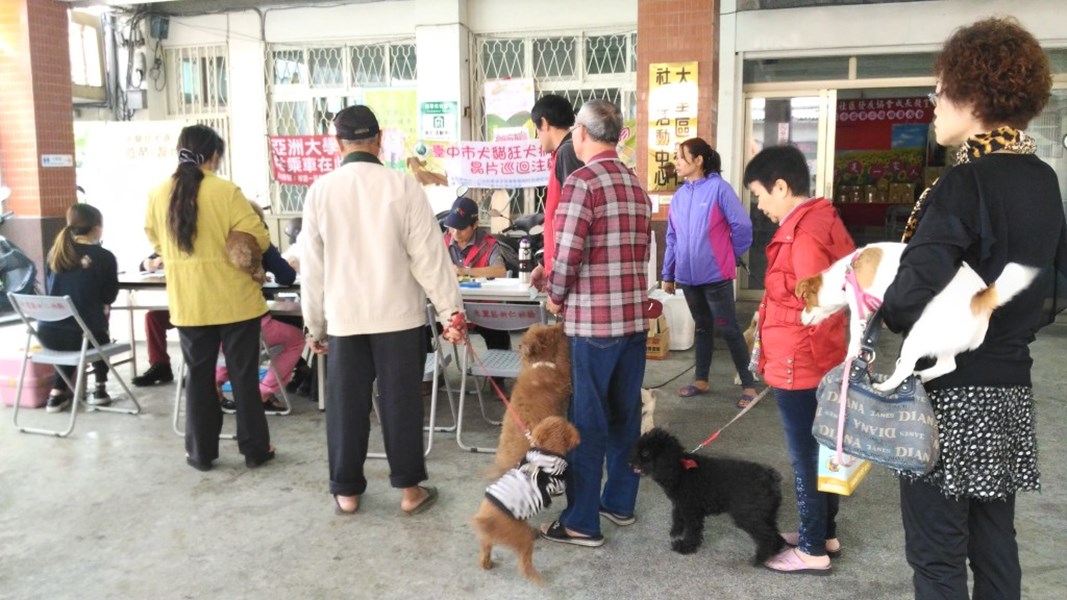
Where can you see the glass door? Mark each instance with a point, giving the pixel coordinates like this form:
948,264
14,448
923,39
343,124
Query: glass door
805,120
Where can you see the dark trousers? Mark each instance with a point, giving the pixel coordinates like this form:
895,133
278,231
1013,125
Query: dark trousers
395,360
713,308
69,340
941,534
203,413
818,510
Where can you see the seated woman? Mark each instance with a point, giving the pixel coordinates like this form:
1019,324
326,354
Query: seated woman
275,333
77,266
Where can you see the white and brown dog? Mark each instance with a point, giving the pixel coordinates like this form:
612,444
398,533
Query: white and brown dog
955,320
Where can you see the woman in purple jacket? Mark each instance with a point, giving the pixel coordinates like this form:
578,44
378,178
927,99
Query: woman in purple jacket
707,229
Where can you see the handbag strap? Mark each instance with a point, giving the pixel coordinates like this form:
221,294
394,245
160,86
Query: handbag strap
871,333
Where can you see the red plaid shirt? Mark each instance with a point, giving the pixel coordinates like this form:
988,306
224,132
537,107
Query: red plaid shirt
602,226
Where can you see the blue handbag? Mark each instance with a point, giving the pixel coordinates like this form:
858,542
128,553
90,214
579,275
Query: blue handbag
896,429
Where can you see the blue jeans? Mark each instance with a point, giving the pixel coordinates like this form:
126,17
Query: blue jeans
818,510
606,409
712,306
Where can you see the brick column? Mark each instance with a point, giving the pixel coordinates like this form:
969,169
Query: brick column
36,118
677,31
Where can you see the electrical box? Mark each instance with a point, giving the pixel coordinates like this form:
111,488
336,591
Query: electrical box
136,99
159,27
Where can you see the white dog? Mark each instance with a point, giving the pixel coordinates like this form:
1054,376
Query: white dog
648,408
955,320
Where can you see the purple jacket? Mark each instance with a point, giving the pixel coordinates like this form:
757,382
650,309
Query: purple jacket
707,229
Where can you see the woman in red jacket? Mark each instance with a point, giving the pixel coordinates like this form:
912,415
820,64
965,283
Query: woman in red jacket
794,357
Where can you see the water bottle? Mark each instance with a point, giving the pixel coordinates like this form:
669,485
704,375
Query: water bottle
525,261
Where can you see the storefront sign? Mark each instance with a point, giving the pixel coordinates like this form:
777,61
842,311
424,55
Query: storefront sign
672,118
439,121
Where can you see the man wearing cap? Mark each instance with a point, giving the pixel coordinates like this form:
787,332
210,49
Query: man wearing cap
372,254
475,253
598,284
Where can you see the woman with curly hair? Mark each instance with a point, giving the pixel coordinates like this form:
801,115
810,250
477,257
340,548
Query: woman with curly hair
998,204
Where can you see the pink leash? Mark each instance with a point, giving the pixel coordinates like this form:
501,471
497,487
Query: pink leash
499,392
867,304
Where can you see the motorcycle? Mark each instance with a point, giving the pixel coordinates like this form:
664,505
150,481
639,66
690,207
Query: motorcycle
18,273
530,227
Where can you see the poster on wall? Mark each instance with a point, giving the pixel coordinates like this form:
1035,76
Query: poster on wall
439,121
117,163
672,118
398,115
507,109
883,150
301,159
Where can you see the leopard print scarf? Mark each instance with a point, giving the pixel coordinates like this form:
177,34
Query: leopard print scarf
1001,139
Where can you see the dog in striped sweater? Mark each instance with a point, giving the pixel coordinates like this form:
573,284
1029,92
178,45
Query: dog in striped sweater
524,491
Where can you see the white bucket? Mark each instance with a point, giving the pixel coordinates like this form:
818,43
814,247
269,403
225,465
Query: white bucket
679,319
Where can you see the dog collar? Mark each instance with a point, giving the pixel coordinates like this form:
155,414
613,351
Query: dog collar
689,463
543,363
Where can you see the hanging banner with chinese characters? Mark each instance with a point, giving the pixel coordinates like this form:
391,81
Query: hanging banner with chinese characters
506,165
301,159
672,118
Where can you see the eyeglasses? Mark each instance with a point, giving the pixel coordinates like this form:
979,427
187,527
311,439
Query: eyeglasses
575,126
934,97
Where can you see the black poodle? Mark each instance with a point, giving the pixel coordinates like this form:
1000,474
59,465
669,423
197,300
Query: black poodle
699,486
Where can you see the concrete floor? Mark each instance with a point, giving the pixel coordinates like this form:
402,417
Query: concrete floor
114,512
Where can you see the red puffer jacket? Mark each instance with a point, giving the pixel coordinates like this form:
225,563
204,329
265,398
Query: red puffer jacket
792,355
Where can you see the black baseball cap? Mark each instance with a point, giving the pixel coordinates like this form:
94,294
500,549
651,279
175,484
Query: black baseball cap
464,212
356,123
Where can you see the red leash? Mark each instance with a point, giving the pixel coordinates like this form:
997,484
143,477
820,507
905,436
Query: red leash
499,392
744,410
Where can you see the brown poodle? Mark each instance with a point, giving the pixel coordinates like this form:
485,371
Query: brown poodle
542,389
523,492
244,254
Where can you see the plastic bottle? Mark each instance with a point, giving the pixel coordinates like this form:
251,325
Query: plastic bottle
525,261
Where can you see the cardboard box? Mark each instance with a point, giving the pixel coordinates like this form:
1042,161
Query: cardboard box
35,388
659,339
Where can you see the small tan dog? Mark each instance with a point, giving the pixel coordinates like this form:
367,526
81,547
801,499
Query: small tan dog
543,389
245,255
750,341
524,491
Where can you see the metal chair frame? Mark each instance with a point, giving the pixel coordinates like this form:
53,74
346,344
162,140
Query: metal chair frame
266,352
59,308
494,363
436,363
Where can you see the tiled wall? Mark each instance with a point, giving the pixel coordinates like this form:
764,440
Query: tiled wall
36,118
677,31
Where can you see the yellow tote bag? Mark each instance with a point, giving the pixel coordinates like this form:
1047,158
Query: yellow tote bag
840,475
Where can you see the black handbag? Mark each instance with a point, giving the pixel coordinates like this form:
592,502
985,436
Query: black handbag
895,429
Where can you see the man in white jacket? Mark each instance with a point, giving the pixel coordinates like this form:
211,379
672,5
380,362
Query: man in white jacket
372,253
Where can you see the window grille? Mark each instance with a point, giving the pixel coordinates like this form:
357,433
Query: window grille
578,66
198,90
309,84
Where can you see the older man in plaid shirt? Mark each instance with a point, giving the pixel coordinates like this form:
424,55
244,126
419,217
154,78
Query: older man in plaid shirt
598,285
